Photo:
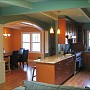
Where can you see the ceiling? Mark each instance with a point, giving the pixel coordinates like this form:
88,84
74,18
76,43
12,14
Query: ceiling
78,14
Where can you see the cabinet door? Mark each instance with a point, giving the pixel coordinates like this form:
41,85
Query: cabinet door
84,59
69,67
88,59
59,72
80,34
52,49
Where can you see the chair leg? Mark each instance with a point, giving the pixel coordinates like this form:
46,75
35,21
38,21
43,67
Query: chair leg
17,65
27,64
23,64
33,72
20,63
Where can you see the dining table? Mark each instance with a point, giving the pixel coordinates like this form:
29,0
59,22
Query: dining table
8,54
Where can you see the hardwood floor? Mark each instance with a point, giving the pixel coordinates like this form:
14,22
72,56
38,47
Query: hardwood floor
81,79
15,78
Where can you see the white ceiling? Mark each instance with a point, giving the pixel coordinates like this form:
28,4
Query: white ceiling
76,14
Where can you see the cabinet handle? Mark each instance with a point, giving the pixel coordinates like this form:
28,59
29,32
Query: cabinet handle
59,77
58,68
59,63
67,72
67,64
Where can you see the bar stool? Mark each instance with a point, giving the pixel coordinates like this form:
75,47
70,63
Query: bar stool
34,68
33,75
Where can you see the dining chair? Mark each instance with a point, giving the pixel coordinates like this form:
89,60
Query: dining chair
24,58
21,51
14,60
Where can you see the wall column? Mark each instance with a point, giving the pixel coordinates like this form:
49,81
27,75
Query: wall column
56,28
2,63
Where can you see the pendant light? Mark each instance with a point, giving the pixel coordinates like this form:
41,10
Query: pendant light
58,31
51,29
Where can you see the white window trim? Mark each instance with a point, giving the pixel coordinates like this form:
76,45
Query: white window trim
31,41
40,41
88,31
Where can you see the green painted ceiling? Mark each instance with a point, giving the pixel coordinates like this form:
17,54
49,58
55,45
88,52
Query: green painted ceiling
28,6
13,8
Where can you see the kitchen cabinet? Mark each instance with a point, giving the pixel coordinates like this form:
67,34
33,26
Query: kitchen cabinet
55,73
63,70
80,33
52,44
66,27
86,59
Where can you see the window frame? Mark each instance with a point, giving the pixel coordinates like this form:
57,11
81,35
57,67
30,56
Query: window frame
31,41
88,31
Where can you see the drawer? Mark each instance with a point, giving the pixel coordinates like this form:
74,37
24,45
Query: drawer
69,66
61,63
59,80
58,72
58,65
70,59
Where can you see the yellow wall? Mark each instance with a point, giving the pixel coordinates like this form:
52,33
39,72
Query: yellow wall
14,41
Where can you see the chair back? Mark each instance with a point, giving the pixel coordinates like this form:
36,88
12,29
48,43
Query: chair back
25,56
14,57
21,51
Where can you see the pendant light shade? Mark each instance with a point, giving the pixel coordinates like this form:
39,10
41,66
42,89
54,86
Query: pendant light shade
58,31
51,30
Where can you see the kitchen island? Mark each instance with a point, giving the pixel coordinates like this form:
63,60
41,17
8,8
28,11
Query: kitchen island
55,69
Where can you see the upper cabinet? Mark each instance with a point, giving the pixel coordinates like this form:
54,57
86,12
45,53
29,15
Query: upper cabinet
66,27
80,33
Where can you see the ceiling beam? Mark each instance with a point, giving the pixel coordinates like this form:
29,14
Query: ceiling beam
19,3
46,5
88,0
86,12
51,15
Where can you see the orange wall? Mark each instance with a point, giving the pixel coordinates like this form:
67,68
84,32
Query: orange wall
62,27
14,41
7,41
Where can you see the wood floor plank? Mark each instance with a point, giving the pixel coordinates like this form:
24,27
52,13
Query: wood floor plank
15,78
81,79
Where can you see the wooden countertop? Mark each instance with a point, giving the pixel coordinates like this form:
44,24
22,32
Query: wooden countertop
53,59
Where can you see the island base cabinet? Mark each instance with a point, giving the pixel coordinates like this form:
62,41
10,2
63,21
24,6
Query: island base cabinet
45,73
55,73
59,80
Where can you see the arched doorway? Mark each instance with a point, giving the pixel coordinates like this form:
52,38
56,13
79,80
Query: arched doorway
14,41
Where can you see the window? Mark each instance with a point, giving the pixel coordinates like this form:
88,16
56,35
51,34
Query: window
36,42
89,39
26,41
31,41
